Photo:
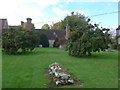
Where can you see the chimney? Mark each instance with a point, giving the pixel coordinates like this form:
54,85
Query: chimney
29,24
29,20
22,24
67,31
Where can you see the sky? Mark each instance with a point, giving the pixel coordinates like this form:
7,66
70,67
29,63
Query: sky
51,11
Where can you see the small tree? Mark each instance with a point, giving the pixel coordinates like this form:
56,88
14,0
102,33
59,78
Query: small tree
45,26
43,40
56,26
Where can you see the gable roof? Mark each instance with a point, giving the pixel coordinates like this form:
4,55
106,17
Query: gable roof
52,34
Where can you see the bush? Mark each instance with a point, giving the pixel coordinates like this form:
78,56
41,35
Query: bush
61,41
55,42
13,40
43,40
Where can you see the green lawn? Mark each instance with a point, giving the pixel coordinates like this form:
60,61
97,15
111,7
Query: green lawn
28,71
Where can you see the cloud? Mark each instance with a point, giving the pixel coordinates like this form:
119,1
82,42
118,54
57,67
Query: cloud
59,12
43,21
17,10
92,1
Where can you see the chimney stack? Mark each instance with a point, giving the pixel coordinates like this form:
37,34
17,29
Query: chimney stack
29,24
29,20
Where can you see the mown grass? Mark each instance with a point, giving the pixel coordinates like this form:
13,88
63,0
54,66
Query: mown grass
28,70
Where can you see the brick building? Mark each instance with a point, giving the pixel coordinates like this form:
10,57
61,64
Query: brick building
53,34
50,33
3,25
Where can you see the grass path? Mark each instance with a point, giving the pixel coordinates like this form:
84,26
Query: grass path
28,71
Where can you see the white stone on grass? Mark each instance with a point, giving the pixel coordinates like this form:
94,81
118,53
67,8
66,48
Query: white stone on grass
59,74
64,76
58,82
59,68
62,81
56,74
70,81
52,67
50,72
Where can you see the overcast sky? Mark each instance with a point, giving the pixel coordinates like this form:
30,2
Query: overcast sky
51,11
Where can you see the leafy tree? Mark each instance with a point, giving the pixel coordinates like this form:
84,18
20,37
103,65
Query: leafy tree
13,40
43,40
45,26
85,42
85,38
75,21
56,26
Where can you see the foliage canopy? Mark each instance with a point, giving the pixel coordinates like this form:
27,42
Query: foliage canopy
14,40
85,38
45,26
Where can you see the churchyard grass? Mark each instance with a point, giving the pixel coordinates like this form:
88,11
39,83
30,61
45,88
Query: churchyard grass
29,70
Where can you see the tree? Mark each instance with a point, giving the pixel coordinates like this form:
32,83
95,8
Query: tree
85,42
56,26
85,38
45,26
14,40
43,40
75,21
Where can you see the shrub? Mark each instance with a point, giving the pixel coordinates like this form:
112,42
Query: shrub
55,42
43,40
61,42
13,40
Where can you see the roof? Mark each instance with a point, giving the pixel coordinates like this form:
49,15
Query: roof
3,25
14,27
52,34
